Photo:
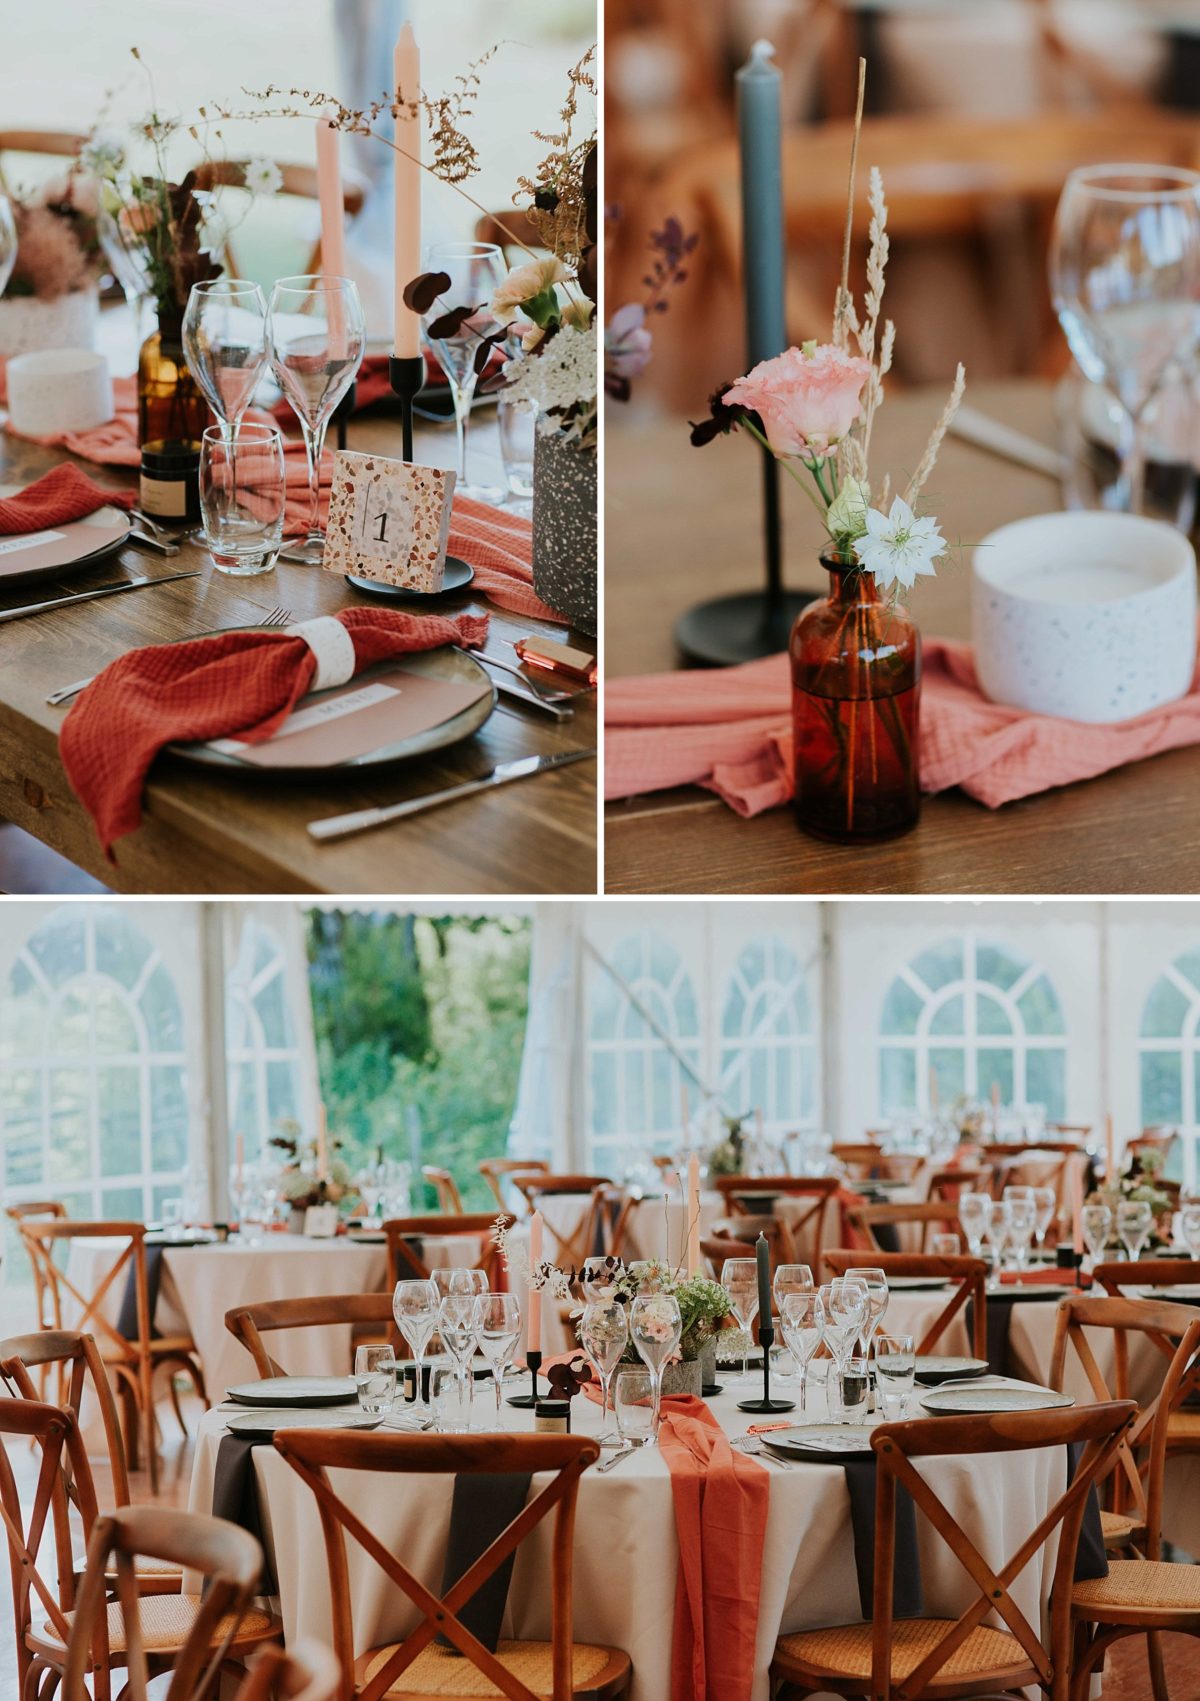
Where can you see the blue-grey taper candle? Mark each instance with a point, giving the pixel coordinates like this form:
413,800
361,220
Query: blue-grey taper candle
760,140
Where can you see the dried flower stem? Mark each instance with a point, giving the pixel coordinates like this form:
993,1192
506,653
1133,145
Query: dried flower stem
935,438
840,324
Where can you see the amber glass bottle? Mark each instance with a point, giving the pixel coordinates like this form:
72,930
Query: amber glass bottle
856,687
172,408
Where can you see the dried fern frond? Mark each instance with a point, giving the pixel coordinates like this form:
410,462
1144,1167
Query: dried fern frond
939,431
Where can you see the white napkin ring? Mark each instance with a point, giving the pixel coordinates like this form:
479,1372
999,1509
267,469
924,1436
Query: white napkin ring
333,647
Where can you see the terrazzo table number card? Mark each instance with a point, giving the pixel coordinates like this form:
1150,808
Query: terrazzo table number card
388,520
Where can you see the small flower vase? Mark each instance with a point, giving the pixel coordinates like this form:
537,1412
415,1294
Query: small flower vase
29,324
683,1378
295,1222
564,529
856,693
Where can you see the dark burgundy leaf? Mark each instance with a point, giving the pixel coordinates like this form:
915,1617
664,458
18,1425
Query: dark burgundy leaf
421,292
448,325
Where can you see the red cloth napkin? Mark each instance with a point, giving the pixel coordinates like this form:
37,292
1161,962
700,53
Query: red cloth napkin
243,683
731,731
63,494
721,1499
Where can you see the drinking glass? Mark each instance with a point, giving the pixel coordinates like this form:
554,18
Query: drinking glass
1045,1204
875,1282
1096,1221
459,1280
739,1278
604,1334
8,241
791,1278
633,1406
475,270
973,1212
227,345
456,1326
945,1245
1189,1228
895,1372
497,1329
1134,1222
852,1385
450,1398
375,1379
243,490
845,1306
517,423
370,1191
238,1187
996,1233
598,1277
317,340
802,1316
415,1308
1125,281
1022,1221
655,1327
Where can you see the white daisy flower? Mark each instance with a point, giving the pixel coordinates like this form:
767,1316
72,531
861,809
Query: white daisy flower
263,177
898,546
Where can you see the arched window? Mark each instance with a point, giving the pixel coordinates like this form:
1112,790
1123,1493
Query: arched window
93,1100
768,1047
1169,1053
974,1013
262,1050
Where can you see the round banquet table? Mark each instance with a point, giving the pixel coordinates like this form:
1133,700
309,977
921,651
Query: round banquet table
626,1556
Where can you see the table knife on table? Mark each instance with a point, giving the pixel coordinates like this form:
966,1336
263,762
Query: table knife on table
340,826
137,584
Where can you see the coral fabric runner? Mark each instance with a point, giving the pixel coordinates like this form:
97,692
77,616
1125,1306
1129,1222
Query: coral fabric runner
731,731
63,494
236,682
721,1500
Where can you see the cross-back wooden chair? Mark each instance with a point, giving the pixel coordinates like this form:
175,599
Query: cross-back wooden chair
932,1216
298,180
449,1199
76,1359
723,1241
945,1185
307,1671
807,1221
865,1161
406,1263
194,1637
249,1323
1172,1330
968,1276
416,1667
573,1243
1118,1275
44,1292
495,1171
916,1657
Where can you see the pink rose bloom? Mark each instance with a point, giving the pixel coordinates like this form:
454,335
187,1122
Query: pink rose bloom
807,398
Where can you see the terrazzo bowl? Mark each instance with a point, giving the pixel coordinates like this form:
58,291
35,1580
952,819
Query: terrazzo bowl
1085,616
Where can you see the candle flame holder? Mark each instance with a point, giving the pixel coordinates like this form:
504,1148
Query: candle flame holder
406,375
526,1402
766,1336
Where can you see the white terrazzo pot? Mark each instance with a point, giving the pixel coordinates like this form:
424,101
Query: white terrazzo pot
27,323
1084,616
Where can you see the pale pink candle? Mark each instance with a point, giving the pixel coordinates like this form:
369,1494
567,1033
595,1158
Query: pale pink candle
693,1210
1076,1173
533,1332
406,76
322,1148
332,202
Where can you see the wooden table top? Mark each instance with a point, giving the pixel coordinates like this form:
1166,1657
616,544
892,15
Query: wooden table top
682,526
211,833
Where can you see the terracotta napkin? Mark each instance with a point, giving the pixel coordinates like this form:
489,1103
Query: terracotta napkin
731,732
235,682
63,494
721,1499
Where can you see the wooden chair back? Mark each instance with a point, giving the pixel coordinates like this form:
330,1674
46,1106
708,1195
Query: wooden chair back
42,1236
405,1263
968,1276
229,1559
307,1671
722,1242
1160,1140
495,1172
1097,1429
249,1323
45,1293
865,1161
933,1216
81,1371
298,180
1175,1331
512,231
313,1453
1119,1274
806,1226
573,1243
615,1207
449,1199
945,1185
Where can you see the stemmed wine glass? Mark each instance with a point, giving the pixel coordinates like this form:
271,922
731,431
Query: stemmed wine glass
1045,1204
997,1235
239,1187
1134,1221
8,242
875,1281
803,1318
604,1333
973,1212
1096,1222
739,1278
456,1326
1022,1223
415,1308
598,1276
317,339
1125,280
459,1281
475,270
655,1328
498,1329
791,1278
844,1301
226,342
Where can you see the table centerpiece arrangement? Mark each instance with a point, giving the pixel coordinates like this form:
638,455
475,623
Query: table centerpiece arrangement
311,1173
51,299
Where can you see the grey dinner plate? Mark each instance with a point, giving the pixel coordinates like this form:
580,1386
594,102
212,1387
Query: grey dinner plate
935,1368
295,1391
984,1397
261,1426
57,551
821,1441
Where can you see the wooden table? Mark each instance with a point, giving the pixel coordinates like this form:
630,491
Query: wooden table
213,833
682,527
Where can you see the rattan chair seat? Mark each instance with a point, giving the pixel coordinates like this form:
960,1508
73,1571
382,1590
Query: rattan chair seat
444,1672
166,1621
844,1651
1183,1425
1139,1585
1118,1530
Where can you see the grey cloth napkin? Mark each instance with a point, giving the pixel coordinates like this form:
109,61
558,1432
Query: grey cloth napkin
235,1496
482,1507
907,1595
127,1321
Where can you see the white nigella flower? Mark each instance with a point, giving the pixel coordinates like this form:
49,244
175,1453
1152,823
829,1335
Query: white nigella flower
263,177
898,546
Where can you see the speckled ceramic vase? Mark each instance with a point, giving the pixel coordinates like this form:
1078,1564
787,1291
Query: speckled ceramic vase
564,530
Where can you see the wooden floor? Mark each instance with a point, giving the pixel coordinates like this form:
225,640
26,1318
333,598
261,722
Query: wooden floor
1127,1678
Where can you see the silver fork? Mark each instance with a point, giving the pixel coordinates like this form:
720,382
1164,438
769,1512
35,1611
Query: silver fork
277,617
754,1446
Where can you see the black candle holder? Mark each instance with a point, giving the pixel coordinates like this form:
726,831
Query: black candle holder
766,1405
406,376
526,1402
341,414
748,624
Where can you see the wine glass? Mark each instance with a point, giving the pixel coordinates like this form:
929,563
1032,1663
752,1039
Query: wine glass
459,1281
603,1334
1096,1222
1134,1221
655,1328
227,346
802,1316
8,242
996,1233
739,1278
875,1282
239,1186
1045,1203
598,1276
1022,1222
498,1329
845,1305
456,1326
415,1308
317,341
973,1211
475,270
1125,280
791,1278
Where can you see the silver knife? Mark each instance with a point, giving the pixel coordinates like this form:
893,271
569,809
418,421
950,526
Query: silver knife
340,826
90,596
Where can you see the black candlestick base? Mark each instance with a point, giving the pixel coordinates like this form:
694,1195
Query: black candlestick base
739,628
526,1402
406,376
341,414
766,1406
